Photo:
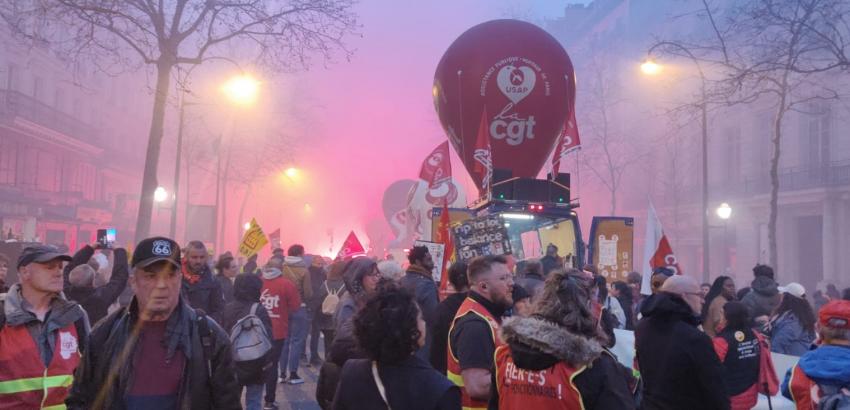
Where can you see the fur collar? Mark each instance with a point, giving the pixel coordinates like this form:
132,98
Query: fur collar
549,338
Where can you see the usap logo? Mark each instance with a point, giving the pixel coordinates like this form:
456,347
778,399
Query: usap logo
162,248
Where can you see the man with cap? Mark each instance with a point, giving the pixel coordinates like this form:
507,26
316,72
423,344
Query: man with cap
42,335
677,362
157,353
821,379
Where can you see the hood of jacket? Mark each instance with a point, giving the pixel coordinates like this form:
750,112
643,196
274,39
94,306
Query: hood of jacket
62,311
827,364
294,261
271,273
538,344
765,286
247,287
669,307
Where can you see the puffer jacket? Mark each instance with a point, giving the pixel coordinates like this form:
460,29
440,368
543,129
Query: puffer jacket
198,390
764,297
537,344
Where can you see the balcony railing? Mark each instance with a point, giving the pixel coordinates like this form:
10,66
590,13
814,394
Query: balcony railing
794,179
16,104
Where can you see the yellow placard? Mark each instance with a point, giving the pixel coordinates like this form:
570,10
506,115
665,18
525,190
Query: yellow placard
253,240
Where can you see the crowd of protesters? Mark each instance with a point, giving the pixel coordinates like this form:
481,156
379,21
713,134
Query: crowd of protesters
203,334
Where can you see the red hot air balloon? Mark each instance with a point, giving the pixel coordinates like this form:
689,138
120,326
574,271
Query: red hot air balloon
507,87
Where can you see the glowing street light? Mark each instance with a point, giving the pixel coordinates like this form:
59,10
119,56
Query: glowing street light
160,194
291,172
242,89
247,226
724,211
650,67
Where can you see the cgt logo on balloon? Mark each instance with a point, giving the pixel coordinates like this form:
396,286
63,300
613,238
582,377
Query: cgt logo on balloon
516,79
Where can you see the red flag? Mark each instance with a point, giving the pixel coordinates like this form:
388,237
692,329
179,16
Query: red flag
351,248
437,167
444,237
568,141
274,238
657,251
483,155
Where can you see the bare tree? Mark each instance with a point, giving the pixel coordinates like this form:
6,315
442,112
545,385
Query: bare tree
768,52
283,34
608,152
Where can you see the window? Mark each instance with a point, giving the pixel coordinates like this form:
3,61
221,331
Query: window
816,138
36,87
28,167
59,100
8,161
12,78
49,172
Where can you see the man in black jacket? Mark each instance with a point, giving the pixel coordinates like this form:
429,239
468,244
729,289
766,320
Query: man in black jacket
446,310
158,353
79,282
200,288
677,362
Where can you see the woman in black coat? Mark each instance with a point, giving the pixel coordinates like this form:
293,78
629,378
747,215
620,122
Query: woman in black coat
390,329
246,293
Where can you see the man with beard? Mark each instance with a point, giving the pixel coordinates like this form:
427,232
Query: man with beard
419,281
202,291
473,336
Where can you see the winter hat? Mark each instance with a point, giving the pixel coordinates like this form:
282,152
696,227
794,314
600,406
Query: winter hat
680,285
247,287
519,293
835,314
354,272
794,289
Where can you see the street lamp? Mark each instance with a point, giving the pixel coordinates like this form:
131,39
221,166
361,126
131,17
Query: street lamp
242,89
247,226
649,67
160,194
291,172
724,211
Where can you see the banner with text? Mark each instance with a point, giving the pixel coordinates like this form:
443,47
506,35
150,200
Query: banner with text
486,235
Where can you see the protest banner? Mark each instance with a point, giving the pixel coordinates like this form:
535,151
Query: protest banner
486,235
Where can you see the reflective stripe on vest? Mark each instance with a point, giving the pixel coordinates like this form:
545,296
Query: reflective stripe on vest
26,382
552,388
453,370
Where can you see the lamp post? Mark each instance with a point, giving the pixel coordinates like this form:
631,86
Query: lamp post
724,212
650,67
181,123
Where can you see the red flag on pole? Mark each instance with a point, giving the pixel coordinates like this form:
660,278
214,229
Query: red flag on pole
657,251
568,141
351,248
483,155
274,238
437,167
444,237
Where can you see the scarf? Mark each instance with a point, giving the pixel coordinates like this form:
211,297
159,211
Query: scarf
188,276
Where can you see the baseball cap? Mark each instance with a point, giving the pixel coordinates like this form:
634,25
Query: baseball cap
793,288
41,254
835,314
156,249
519,293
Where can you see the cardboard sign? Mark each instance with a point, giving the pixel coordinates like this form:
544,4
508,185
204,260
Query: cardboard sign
482,236
611,247
253,240
438,254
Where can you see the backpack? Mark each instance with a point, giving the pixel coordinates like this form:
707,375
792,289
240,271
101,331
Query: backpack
331,301
834,398
249,339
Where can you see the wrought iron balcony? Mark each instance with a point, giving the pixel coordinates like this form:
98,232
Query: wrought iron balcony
16,104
